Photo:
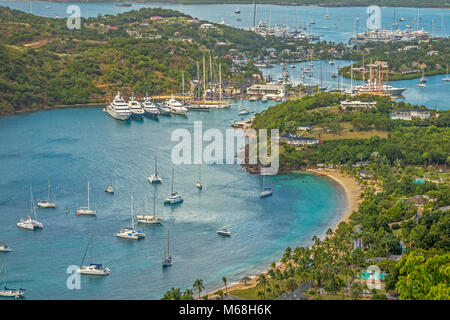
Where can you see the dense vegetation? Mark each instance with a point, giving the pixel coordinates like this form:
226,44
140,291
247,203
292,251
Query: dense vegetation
48,64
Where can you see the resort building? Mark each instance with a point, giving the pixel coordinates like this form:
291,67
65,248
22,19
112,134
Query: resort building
407,114
358,104
272,91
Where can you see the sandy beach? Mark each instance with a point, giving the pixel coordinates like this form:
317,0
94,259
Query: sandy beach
352,191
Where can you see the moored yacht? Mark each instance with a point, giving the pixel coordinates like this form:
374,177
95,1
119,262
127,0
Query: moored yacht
150,109
118,108
175,106
5,248
137,112
155,178
47,203
174,196
243,112
266,192
10,293
224,232
163,110
149,219
109,189
167,260
93,269
29,223
129,232
86,211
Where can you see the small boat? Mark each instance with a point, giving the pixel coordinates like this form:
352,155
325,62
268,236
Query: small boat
253,98
421,85
86,211
199,183
29,223
264,98
149,219
402,19
334,75
10,293
130,232
174,196
155,178
110,189
243,112
224,232
163,110
167,261
423,79
137,112
324,27
331,62
237,11
292,66
267,190
5,248
93,269
150,109
46,203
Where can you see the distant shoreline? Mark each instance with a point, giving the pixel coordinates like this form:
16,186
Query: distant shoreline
352,191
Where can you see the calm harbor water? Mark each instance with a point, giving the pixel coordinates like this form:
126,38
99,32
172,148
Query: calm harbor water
71,146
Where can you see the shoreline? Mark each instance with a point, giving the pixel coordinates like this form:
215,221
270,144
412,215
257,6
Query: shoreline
352,190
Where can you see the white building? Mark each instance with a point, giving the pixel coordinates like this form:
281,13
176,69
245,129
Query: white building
358,104
407,114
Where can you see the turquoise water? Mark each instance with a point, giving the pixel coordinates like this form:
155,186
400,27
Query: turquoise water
435,21
71,146
435,96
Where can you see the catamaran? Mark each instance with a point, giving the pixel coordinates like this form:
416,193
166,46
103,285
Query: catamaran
137,112
118,108
149,219
155,178
86,211
5,248
93,269
267,190
47,203
110,189
174,196
130,232
150,109
10,293
29,223
167,261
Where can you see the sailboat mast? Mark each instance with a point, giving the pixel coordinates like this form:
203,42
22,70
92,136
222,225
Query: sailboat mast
48,191
198,81
132,213
182,84
211,71
143,209
172,180
88,196
154,205
90,249
220,83
168,243
156,166
204,77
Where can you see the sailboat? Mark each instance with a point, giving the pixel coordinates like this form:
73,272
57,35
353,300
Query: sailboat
29,223
10,293
167,261
86,211
446,78
267,190
174,196
129,232
199,182
149,219
155,178
93,269
423,79
47,203
327,16
110,189
395,24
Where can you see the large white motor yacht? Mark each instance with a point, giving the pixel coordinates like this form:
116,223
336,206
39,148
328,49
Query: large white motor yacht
175,106
118,108
137,112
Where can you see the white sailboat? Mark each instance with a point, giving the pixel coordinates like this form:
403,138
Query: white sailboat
174,196
10,293
130,232
110,189
150,219
167,261
5,248
47,203
155,178
29,223
446,78
199,182
93,269
86,211
267,190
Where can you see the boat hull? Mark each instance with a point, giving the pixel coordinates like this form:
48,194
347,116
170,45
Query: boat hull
122,117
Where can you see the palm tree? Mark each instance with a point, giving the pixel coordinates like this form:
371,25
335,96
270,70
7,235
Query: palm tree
224,279
291,285
172,294
198,284
260,295
220,294
188,294
262,282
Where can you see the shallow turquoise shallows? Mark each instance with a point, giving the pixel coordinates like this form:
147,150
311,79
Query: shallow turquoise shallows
72,146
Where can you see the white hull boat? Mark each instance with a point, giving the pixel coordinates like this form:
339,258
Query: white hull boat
86,211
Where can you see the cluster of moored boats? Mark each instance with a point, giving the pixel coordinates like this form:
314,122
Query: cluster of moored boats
31,222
